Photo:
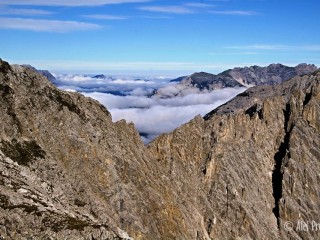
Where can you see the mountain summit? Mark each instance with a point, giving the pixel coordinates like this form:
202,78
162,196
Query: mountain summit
244,171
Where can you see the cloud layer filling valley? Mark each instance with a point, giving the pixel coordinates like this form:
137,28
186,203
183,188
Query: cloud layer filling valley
132,99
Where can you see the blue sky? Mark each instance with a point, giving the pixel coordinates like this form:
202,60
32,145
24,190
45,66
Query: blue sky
155,36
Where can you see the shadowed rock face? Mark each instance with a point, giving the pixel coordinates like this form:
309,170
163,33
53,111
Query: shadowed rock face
244,170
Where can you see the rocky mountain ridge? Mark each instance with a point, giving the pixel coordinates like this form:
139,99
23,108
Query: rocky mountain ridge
272,74
243,171
209,81
241,77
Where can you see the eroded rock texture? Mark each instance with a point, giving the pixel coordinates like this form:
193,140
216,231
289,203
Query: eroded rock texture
68,172
254,162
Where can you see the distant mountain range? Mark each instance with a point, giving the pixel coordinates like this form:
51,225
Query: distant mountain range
236,77
272,74
254,75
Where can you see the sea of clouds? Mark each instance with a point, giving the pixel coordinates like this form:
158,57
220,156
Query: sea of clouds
154,104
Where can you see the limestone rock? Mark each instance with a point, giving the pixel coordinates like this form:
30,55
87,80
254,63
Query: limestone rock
254,162
68,172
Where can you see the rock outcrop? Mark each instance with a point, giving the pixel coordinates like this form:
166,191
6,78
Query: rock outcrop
209,81
244,171
45,73
255,160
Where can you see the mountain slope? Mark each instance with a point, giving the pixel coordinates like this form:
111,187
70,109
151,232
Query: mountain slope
67,171
209,81
256,158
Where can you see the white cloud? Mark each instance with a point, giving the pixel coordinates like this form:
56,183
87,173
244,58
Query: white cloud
310,47
171,91
198,5
115,84
167,9
23,11
105,17
259,47
44,25
153,116
154,17
233,53
70,3
235,13
141,91
121,102
277,47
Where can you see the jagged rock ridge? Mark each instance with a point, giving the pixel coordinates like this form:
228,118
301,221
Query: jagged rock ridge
237,77
257,160
272,74
67,171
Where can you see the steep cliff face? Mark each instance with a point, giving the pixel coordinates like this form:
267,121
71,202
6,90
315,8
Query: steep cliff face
244,170
256,159
67,170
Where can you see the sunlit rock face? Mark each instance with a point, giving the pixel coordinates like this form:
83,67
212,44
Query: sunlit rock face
242,171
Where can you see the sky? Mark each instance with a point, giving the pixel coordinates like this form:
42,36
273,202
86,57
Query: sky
158,36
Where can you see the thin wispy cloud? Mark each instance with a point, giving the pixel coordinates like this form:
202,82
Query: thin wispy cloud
168,9
277,47
154,17
259,47
70,3
23,11
198,5
105,17
233,53
235,13
44,25
311,47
